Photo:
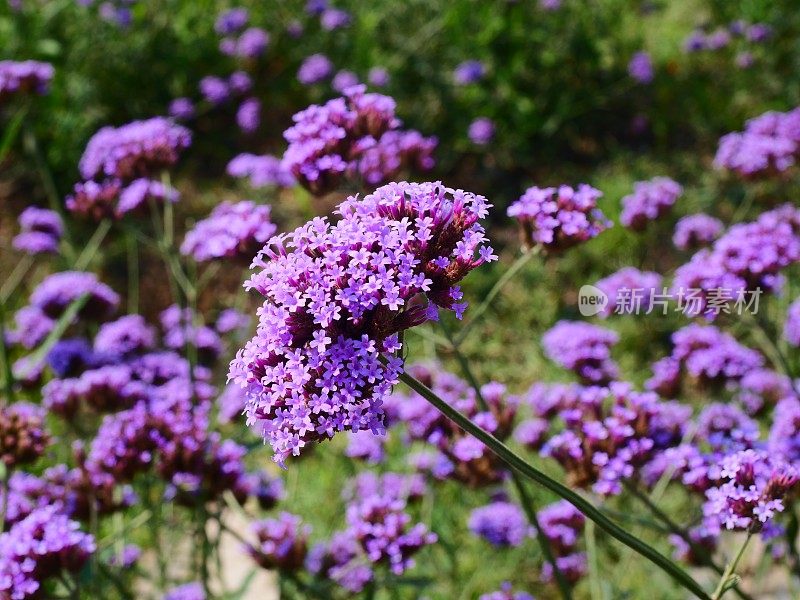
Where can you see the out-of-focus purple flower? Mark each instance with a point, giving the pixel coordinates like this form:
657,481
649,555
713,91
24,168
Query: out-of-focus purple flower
357,135
366,446
784,435
240,82
378,77
695,41
215,90
41,546
181,108
744,60
314,69
550,4
629,291
282,542
294,28
769,144
126,558
232,230
506,591
230,320
558,218
263,170
187,591
582,348
26,77
141,192
56,292
760,389
124,337
343,80
758,32
791,328
138,149
231,21
40,231
31,327
363,281
248,116
252,43
180,330
718,39
481,131
23,438
753,492
531,433
70,357
650,200
748,258
695,231
316,7
334,18
561,523
469,71
500,523
104,389
640,68
725,428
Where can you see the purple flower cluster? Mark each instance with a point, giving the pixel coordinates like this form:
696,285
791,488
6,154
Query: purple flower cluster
337,296
469,71
650,200
314,69
481,131
232,230
750,256
708,355
769,144
762,389
458,456
628,290
754,487
262,171
187,591
40,231
582,348
41,546
610,433
561,523
282,543
500,523
26,77
23,438
640,68
558,218
357,135
791,328
694,231
118,165
506,592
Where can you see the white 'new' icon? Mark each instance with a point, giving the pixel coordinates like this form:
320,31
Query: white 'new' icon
591,300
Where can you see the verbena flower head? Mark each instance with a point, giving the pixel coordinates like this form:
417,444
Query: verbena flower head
481,131
608,434
26,77
791,327
457,456
640,67
344,79
336,298
582,348
769,144
357,135
784,435
378,77
138,149
749,257
40,231
23,438
314,69
469,71
71,356
124,337
181,108
558,218
232,21
232,230
506,592
562,524
41,546
56,292
262,171
650,200
629,291
252,43
282,542
31,327
754,487
334,18
187,591
762,389
695,231
500,523
725,428
182,327
105,389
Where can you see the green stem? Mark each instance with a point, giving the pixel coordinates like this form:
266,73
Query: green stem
133,272
5,363
590,511
725,582
13,280
595,591
4,498
93,245
496,289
